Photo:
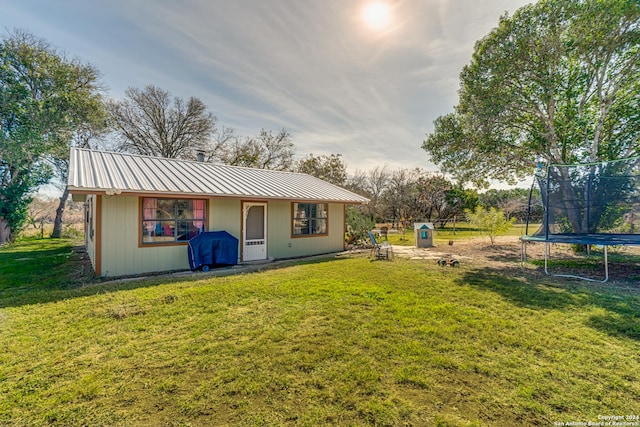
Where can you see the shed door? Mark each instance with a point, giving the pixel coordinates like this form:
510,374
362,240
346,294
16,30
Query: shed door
254,239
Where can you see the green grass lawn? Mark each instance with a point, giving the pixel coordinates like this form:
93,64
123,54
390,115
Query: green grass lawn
462,231
338,342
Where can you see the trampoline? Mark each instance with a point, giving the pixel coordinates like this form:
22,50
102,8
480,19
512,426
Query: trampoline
588,204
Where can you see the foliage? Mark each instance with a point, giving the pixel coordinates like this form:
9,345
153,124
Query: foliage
491,221
338,342
357,225
433,195
444,200
265,151
91,126
400,198
410,193
328,168
44,99
558,81
153,123
357,182
459,200
41,211
14,196
513,202
377,181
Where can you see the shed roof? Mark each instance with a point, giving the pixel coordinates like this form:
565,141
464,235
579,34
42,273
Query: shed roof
101,172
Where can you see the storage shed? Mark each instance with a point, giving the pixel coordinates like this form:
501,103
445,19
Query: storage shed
424,234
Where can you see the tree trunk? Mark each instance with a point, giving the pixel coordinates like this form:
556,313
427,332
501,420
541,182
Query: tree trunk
6,235
57,223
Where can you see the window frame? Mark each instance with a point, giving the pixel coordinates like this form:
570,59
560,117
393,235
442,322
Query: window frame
176,219
294,218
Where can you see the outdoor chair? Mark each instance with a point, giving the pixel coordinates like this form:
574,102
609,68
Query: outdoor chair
380,250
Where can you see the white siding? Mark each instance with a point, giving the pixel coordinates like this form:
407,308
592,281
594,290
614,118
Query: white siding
121,254
224,215
280,243
120,235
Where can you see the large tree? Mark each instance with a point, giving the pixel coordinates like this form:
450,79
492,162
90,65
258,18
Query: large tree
443,200
265,151
154,123
559,81
377,180
44,98
92,124
401,194
433,190
329,168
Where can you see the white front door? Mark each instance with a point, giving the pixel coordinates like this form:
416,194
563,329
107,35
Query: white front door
254,239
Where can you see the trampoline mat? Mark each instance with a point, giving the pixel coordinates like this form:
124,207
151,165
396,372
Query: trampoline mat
586,239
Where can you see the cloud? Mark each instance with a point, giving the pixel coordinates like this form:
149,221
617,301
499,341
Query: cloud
311,67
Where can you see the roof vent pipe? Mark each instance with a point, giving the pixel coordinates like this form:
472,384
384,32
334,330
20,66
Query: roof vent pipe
200,155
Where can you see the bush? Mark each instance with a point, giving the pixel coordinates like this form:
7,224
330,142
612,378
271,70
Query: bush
491,221
357,226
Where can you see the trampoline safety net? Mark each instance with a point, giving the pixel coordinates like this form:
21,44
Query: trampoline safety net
587,204
592,199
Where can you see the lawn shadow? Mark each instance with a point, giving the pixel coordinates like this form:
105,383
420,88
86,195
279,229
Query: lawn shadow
531,288
44,268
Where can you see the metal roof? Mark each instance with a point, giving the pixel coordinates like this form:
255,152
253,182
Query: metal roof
101,172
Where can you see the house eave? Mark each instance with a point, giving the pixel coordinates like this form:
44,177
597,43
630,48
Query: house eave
177,194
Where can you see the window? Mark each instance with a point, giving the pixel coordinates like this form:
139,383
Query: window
310,219
171,220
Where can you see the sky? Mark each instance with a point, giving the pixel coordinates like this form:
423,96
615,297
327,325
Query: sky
340,76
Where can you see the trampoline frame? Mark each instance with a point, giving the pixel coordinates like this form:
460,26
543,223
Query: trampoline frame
601,239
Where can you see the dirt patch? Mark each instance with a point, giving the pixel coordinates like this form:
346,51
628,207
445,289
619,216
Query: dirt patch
473,251
506,255
81,269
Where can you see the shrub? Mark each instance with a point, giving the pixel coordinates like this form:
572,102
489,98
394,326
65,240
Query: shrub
357,226
491,221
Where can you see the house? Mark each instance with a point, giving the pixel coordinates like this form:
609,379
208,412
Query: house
141,211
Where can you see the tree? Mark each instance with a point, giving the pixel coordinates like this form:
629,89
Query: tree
513,202
328,168
92,123
265,151
358,183
433,191
492,221
41,211
458,201
153,123
400,193
377,180
44,98
559,81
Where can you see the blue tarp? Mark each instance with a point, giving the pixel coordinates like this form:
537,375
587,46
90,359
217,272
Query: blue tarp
212,248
